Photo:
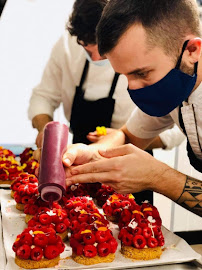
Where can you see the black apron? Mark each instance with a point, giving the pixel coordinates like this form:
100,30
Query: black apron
194,161
87,115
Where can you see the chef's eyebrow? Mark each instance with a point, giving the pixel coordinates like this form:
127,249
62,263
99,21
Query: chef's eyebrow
138,70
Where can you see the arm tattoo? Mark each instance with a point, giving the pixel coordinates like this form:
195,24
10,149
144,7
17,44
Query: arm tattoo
191,197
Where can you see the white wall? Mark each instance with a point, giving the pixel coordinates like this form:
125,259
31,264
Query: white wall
28,30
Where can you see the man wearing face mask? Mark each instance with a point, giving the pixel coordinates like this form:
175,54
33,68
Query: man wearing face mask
166,91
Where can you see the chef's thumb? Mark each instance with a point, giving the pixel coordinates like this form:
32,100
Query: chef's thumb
69,157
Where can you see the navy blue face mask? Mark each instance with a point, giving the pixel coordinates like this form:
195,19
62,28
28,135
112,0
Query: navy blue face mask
164,96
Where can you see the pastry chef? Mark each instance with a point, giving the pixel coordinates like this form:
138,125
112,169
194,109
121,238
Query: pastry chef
131,34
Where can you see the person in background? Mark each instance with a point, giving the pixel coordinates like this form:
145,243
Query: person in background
91,92
157,46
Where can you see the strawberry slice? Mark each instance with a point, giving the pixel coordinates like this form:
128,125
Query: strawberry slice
23,252
152,242
103,249
36,254
89,238
147,232
51,252
139,241
113,245
90,251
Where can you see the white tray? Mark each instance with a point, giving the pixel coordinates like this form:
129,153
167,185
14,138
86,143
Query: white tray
176,249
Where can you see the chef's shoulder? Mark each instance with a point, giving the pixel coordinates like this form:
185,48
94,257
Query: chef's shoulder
67,47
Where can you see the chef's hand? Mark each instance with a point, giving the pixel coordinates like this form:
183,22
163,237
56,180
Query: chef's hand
39,139
78,154
95,137
126,169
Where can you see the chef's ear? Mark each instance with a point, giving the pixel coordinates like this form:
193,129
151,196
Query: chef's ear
193,50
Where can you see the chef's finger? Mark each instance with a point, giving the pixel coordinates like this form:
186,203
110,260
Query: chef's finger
88,178
104,165
118,151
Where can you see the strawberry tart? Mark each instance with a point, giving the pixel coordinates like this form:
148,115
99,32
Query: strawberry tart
38,248
116,204
142,238
55,218
93,245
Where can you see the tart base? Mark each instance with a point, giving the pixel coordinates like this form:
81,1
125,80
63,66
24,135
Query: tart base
20,206
9,182
28,218
12,194
141,254
94,260
30,264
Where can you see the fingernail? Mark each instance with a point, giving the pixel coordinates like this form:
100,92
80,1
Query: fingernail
67,162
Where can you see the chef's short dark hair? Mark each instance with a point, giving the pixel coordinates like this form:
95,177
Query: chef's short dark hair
166,22
84,19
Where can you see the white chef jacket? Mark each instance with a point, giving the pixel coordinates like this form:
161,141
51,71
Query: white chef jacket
145,126
63,73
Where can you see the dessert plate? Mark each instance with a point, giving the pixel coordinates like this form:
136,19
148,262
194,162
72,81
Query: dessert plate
176,249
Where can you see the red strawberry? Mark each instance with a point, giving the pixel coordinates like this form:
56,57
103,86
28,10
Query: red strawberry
152,242
53,238
23,252
16,245
102,236
139,241
161,241
60,227
45,219
89,238
26,239
51,252
127,239
116,204
117,212
125,204
137,230
67,222
103,249
82,218
156,230
126,216
90,251
143,223
17,197
74,225
121,233
33,209
36,254
79,249
73,242
40,240
107,210
113,245
146,232
60,246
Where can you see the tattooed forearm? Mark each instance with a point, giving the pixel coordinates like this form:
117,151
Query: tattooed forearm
191,197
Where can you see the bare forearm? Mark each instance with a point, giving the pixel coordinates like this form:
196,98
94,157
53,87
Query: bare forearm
156,143
114,139
184,190
191,197
39,121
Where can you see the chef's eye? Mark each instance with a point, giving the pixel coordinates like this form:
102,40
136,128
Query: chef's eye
142,74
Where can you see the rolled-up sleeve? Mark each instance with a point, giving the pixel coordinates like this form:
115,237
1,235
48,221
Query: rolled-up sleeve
145,126
46,97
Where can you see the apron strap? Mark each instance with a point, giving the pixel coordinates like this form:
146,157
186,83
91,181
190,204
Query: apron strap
113,86
85,70
194,161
